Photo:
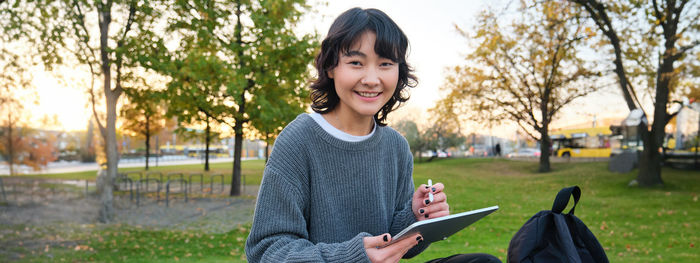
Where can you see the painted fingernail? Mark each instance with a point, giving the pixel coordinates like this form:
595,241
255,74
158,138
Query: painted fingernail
426,216
418,238
386,238
427,201
426,187
421,211
434,190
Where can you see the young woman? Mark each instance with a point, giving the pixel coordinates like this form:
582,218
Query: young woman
338,183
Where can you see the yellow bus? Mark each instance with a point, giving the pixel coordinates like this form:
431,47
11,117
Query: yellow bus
583,142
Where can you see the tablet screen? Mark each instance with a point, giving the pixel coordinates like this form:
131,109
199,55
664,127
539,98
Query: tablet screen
440,228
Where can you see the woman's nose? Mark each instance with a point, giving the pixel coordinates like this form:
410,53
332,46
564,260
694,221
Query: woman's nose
371,77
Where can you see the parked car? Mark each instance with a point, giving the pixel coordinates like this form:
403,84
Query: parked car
524,152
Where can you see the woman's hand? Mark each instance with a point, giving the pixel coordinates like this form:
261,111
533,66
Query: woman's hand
374,246
424,209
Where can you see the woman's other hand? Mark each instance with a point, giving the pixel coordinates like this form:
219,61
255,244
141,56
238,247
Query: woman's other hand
377,252
423,208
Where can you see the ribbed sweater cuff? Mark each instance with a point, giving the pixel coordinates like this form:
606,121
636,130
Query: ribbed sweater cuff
355,250
405,218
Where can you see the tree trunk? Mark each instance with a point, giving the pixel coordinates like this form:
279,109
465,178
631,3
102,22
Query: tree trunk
109,133
545,144
207,138
148,140
237,149
267,146
650,164
239,119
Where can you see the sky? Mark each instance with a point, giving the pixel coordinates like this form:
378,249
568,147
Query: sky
435,46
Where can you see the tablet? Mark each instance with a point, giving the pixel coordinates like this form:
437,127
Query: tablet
440,228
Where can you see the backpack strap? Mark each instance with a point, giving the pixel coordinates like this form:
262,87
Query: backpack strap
562,199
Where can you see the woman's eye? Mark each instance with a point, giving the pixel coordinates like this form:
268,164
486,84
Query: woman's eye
387,64
355,63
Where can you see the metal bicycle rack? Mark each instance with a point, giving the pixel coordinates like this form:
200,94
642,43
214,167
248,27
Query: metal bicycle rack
175,174
160,175
147,181
183,182
126,179
211,181
159,180
134,172
2,188
201,181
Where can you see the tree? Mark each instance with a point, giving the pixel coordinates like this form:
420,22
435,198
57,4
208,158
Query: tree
525,72
438,137
651,50
20,144
27,146
12,143
409,130
281,104
143,115
79,31
14,77
207,135
251,46
196,93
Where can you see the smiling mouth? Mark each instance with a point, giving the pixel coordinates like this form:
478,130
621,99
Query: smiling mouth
368,94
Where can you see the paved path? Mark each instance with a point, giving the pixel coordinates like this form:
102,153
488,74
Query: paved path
71,167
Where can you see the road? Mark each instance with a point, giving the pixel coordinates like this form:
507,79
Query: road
72,167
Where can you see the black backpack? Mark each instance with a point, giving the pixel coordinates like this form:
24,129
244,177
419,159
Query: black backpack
550,236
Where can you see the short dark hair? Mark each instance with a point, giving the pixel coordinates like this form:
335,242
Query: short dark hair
391,43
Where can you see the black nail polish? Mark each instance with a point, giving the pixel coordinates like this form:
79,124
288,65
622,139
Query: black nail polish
418,238
426,187
386,238
421,211
434,190
426,216
427,201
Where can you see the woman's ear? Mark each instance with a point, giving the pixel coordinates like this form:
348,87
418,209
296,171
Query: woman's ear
330,74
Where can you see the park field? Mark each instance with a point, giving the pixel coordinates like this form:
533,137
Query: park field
660,224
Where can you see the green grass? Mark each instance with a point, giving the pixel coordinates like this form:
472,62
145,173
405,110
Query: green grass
134,244
633,224
660,224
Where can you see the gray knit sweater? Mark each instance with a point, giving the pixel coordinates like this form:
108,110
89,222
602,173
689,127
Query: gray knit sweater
321,195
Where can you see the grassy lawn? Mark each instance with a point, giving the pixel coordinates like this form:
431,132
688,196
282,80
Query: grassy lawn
634,224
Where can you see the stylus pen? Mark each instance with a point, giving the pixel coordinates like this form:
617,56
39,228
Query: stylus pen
430,190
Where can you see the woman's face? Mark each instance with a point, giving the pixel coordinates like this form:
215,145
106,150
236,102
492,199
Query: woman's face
363,80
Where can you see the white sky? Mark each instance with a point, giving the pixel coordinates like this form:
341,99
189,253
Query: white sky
435,45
